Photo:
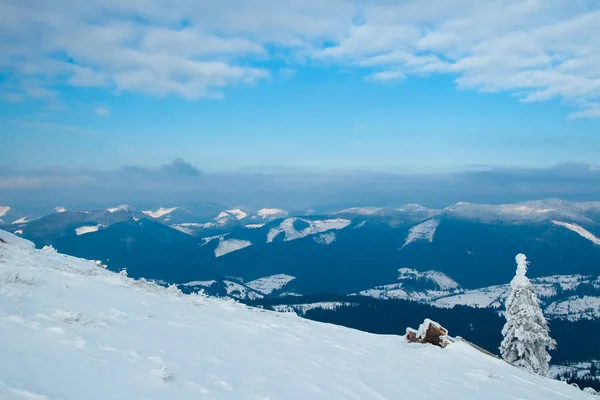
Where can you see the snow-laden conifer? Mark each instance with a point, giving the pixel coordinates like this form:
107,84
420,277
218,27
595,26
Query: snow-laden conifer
526,333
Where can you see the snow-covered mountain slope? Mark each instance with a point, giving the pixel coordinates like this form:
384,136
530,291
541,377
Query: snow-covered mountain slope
161,212
416,286
423,231
580,231
288,228
73,330
268,284
229,245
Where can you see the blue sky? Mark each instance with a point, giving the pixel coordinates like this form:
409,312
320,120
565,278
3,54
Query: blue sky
347,85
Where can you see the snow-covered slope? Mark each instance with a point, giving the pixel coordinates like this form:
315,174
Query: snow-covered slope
161,212
82,230
4,210
422,231
580,231
229,245
313,227
73,330
416,286
268,284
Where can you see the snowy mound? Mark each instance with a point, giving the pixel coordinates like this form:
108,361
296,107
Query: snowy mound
313,227
73,330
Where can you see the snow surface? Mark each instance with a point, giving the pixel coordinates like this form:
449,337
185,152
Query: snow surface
229,245
122,207
580,231
254,226
314,227
19,232
73,330
4,210
268,284
160,212
208,239
442,280
423,231
60,209
360,210
575,308
325,238
20,221
199,283
184,229
234,289
271,213
237,213
82,230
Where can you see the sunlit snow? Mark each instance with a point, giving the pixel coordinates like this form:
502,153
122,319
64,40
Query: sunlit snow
271,212
580,231
73,330
237,213
199,283
4,210
423,231
60,209
82,230
268,284
325,238
20,221
254,226
230,245
314,226
122,207
160,212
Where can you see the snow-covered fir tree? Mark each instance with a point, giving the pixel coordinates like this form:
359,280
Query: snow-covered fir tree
526,333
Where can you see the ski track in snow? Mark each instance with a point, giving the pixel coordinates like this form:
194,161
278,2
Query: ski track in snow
73,330
580,231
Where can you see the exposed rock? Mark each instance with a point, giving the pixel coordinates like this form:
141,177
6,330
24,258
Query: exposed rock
429,332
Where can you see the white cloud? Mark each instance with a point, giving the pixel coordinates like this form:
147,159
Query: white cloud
536,49
103,111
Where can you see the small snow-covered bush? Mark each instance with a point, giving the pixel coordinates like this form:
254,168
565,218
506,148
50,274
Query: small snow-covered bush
173,290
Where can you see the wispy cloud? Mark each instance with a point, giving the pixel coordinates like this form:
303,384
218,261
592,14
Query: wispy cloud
103,111
536,49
